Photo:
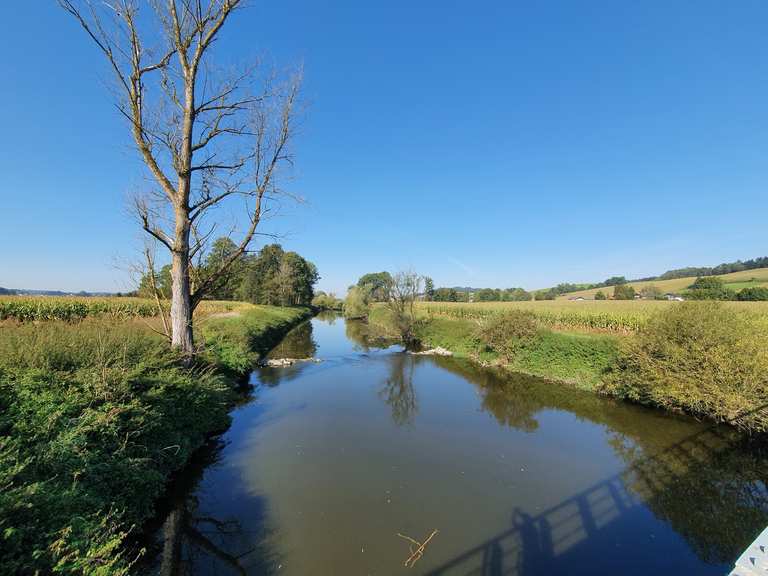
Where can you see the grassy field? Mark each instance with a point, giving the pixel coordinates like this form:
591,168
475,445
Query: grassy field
96,413
619,316
735,280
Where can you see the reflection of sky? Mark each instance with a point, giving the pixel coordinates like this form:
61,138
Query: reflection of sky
323,461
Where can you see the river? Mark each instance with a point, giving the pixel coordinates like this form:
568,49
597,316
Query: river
329,467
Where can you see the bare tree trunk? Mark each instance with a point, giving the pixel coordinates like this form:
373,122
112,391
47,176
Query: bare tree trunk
181,301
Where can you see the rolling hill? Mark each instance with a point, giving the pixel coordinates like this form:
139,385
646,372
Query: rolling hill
734,280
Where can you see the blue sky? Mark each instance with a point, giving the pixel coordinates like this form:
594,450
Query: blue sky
481,143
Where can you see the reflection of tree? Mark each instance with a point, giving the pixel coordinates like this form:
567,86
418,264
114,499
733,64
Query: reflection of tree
709,483
366,336
357,332
191,540
328,316
398,391
298,343
182,527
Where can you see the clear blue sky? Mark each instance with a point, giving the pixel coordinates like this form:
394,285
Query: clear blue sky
483,143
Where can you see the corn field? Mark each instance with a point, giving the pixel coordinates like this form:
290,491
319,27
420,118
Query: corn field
602,316
44,308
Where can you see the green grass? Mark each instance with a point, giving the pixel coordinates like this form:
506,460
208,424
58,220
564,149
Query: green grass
577,359
94,417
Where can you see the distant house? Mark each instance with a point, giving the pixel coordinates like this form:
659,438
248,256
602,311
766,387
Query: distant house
577,298
674,297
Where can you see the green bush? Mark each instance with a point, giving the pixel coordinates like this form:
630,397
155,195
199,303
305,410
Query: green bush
600,295
709,288
753,293
507,333
697,357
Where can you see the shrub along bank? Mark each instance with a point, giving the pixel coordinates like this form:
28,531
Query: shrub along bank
94,417
703,358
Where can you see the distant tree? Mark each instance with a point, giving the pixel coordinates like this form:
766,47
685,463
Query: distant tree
545,294
278,278
517,295
623,292
429,289
378,285
325,301
162,283
615,280
600,295
753,293
709,288
225,285
357,303
487,295
446,295
652,292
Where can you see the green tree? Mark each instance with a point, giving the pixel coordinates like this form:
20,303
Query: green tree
600,295
378,285
429,289
162,283
486,295
446,295
623,292
278,278
226,284
709,288
357,303
517,295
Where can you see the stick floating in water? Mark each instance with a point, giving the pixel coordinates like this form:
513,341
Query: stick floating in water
418,551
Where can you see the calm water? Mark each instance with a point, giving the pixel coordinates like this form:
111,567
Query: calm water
327,462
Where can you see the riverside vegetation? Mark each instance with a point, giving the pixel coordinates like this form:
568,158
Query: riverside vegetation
96,413
705,358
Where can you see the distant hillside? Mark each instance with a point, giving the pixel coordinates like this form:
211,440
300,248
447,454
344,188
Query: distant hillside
30,292
734,280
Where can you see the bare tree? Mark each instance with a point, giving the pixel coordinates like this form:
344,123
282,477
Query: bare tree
205,137
403,292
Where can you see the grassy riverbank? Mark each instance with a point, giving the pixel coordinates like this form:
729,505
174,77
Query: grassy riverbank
704,358
94,417
578,359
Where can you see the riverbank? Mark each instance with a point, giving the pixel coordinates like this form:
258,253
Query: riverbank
577,359
94,417
707,359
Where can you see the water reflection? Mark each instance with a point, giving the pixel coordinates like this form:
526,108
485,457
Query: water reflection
711,487
298,343
397,390
193,542
522,477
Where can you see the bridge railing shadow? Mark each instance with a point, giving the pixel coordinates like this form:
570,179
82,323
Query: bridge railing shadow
533,544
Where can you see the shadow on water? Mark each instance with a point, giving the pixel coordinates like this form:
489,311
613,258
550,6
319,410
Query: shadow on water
711,488
187,542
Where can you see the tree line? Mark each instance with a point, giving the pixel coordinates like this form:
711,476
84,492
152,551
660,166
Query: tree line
272,276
